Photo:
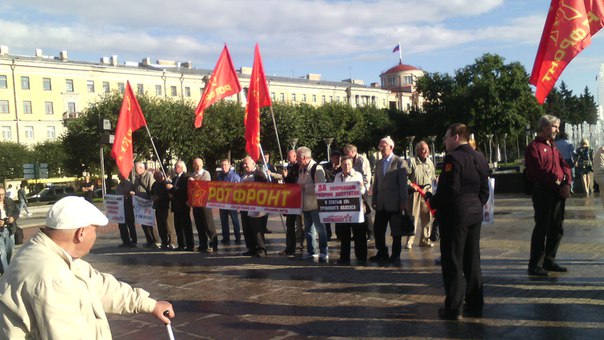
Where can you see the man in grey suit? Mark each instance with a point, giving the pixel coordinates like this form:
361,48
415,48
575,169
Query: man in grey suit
389,200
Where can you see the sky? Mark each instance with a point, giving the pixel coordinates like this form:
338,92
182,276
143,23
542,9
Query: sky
339,39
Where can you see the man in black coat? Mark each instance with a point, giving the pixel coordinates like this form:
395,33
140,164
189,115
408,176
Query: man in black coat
9,213
293,222
461,194
178,190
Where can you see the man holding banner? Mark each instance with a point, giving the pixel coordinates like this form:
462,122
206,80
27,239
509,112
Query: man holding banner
253,223
143,181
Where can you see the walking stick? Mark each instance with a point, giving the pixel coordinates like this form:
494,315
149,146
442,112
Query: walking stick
169,326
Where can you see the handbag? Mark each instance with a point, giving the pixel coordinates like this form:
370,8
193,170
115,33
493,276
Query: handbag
402,225
18,236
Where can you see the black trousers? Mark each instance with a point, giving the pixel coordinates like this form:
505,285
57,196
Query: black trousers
382,218
167,236
460,258
548,231
206,228
359,234
183,227
128,231
294,232
253,231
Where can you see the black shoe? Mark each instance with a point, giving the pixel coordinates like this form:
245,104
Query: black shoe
189,249
395,261
268,231
225,241
378,258
538,271
472,312
214,248
447,314
248,253
361,262
343,262
124,245
555,268
259,253
238,240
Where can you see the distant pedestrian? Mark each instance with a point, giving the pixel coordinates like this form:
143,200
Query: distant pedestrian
22,200
599,171
9,213
551,179
10,192
585,157
461,194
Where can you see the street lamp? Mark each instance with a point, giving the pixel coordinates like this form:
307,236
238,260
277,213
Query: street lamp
293,142
328,141
490,137
527,133
410,144
432,139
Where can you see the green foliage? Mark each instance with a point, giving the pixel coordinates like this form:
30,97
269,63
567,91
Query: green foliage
52,153
562,103
13,156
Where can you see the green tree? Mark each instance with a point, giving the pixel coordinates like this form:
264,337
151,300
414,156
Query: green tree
13,156
52,153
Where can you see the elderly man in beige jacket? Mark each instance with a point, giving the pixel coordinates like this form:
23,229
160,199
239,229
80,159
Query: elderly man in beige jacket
49,292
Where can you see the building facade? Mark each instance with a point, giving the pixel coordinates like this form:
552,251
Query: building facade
39,93
401,81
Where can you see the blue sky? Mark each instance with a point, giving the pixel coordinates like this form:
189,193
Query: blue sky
338,39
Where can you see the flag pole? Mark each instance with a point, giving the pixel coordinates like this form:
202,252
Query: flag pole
400,54
156,153
276,133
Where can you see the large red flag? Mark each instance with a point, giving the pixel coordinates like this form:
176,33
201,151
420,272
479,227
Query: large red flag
568,30
130,119
257,97
223,83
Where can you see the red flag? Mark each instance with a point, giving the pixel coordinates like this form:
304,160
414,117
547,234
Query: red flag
568,30
130,119
257,97
223,83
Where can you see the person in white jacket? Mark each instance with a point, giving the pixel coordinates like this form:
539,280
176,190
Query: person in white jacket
49,292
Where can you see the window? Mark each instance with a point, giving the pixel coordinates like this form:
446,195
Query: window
29,132
25,83
27,107
90,86
4,106
391,81
106,87
158,90
7,133
293,97
304,97
173,91
121,87
408,80
337,99
323,99
331,99
282,97
314,98
46,84
71,107
3,82
140,89
187,91
51,132
273,96
69,85
48,108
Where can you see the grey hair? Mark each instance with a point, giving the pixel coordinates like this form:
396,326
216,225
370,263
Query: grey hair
304,151
419,144
388,141
547,121
182,164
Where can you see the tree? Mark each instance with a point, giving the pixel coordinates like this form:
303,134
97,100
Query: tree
52,153
13,156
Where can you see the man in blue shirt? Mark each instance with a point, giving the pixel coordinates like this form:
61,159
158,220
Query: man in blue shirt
228,175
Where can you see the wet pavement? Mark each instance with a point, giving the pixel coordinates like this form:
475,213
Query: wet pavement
224,295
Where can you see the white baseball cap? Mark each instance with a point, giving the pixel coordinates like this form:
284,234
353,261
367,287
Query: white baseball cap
74,212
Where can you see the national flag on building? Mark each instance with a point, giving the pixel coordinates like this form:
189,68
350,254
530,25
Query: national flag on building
396,48
223,83
568,29
131,118
257,98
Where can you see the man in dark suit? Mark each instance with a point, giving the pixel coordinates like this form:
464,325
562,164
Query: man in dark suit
461,194
253,223
204,219
182,218
389,200
293,222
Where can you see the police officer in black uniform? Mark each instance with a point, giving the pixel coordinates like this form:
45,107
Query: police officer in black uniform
461,194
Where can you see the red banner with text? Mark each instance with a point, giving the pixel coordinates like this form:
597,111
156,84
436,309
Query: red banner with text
247,196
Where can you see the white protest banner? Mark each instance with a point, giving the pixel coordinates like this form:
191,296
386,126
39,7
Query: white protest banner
489,208
114,208
143,211
340,202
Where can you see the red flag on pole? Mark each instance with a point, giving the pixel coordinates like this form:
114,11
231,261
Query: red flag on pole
567,31
131,118
223,83
257,98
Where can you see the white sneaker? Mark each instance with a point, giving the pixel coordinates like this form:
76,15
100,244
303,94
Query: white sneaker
308,256
29,214
323,258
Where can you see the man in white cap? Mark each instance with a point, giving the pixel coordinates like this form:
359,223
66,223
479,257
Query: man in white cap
49,292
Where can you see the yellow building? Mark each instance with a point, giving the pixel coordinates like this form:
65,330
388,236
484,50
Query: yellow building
401,80
39,93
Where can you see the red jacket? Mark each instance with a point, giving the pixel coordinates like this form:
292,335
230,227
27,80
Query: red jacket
545,165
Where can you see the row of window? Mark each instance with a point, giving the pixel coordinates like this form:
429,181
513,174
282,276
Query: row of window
47,86
27,107
358,99
7,132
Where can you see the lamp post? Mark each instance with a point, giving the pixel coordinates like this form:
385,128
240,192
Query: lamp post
432,139
527,133
328,141
490,137
410,145
293,142
505,151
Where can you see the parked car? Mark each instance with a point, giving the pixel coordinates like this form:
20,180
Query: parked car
52,194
